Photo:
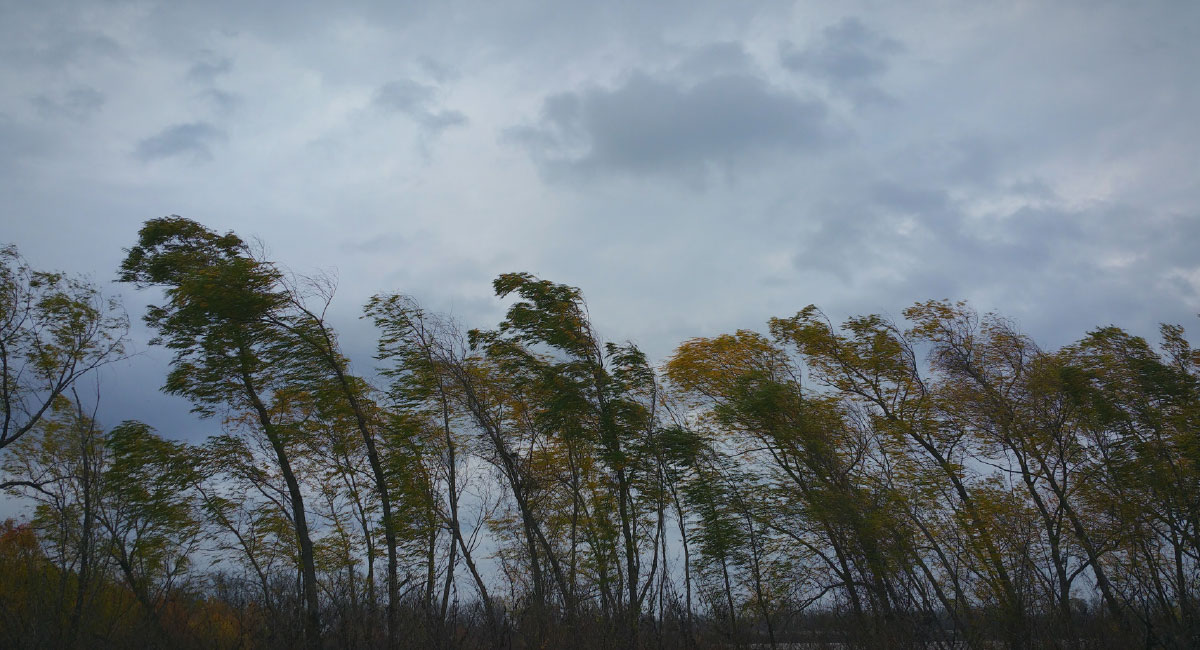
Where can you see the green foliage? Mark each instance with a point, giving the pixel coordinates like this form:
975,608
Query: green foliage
941,482
54,329
215,318
150,514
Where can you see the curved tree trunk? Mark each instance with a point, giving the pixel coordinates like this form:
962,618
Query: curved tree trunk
308,571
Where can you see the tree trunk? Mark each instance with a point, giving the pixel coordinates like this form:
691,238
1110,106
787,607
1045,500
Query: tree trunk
308,571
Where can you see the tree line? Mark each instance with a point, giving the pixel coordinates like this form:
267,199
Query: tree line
938,483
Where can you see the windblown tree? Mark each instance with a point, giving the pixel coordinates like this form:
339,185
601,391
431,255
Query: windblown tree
996,384
1137,414
936,483
500,412
981,487
54,329
149,518
61,466
229,353
872,366
566,422
111,510
340,474
302,316
823,496
426,360
246,515
600,394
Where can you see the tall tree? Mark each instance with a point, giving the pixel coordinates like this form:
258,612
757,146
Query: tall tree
872,365
1138,413
228,351
814,464
605,390
424,353
303,317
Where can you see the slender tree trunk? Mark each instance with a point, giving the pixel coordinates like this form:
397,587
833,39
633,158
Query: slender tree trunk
385,502
756,573
729,600
687,568
455,521
446,586
489,608
368,534
513,474
327,349
308,571
631,560
85,539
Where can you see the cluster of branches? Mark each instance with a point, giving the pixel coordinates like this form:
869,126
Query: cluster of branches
948,484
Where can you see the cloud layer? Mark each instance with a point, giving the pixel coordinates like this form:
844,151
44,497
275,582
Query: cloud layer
694,167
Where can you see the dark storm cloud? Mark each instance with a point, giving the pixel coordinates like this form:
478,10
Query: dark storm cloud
419,102
649,124
192,140
76,104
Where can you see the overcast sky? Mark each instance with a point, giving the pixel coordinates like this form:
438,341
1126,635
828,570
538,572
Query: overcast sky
695,167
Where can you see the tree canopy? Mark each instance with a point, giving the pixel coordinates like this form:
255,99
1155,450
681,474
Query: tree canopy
941,481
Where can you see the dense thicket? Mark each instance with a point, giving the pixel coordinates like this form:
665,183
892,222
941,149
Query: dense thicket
938,483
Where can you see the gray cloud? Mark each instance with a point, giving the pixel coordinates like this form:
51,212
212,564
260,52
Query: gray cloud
846,50
655,125
18,145
436,70
726,57
1059,269
386,243
207,70
1038,162
418,101
848,55
222,102
76,104
192,140
62,47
